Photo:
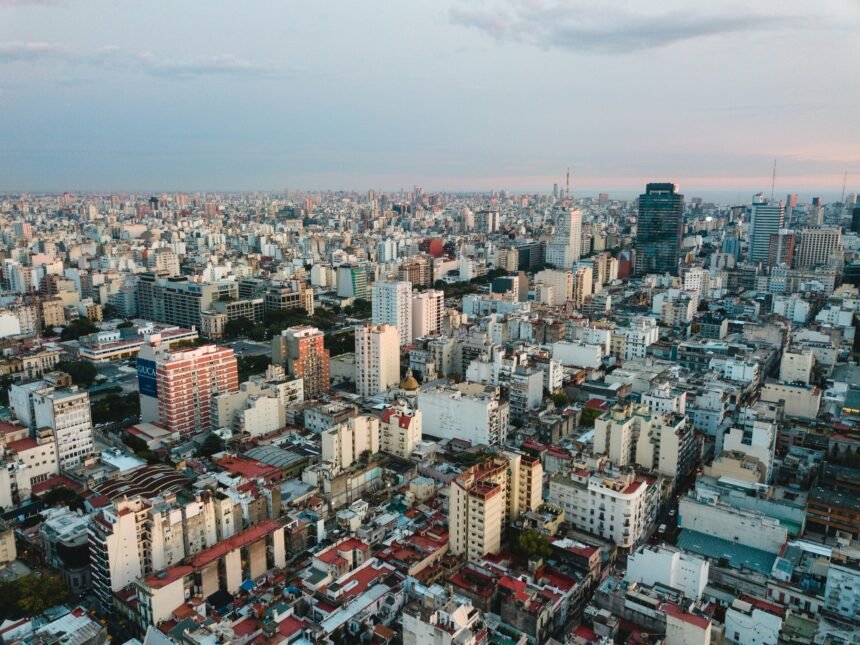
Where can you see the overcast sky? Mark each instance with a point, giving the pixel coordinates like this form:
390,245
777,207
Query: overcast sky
460,95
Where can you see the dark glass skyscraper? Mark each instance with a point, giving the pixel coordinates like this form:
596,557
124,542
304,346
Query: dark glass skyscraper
659,229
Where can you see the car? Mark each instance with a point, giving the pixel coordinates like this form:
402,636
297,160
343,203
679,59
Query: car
661,528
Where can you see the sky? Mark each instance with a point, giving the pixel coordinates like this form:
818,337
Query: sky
201,95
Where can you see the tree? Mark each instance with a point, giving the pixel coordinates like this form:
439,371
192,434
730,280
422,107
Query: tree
211,445
238,327
31,595
114,407
77,328
250,365
62,496
589,415
533,543
360,308
560,399
83,373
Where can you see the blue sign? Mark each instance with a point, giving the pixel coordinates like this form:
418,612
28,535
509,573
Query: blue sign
147,384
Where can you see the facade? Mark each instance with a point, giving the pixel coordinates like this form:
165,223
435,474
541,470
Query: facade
400,431
377,359
178,300
302,350
351,281
659,227
565,248
466,411
344,444
560,283
177,386
818,246
615,506
668,566
428,308
66,411
484,498
392,305
766,219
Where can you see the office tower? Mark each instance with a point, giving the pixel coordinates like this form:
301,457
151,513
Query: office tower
177,386
66,411
427,310
855,220
767,219
781,248
566,246
392,305
818,246
303,351
400,431
659,229
178,300
377,359
484,498
351,281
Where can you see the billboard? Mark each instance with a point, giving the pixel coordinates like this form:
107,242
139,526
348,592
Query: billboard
147,384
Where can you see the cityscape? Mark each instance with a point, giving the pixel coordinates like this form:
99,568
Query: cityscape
291,357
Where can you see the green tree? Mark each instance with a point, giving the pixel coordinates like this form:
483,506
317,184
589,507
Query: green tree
560,399
248,366
38,593
62,496
589,416
239,327
211,445
533,543
360,308
83,373
77,328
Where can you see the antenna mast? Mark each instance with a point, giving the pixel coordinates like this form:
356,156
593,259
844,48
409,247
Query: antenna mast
844,181
567,184
773,179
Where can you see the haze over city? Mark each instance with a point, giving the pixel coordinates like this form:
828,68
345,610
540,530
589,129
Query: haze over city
464,95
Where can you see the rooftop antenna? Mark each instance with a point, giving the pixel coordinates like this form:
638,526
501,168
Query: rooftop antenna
773,179
567,184
844,181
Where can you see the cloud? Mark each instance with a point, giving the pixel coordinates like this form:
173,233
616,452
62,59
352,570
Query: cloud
17,51
610,27
117,59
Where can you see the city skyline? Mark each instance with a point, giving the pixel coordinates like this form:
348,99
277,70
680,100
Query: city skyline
115,97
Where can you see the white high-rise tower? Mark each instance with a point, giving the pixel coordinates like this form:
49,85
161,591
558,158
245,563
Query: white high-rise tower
566,245
392,305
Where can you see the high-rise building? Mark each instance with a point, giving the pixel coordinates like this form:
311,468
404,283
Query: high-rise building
484,498
177,385
583,285
781,248
392,305
428,308
855,220
416,270
767,218
561,282
818,246
66,411
303,351
377,359
179,301
344,444
659,229
351,281
566,246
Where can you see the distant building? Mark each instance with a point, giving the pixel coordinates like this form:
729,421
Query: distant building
659,230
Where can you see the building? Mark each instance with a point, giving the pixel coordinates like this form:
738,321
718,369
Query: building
454,622
484,498
177,386
659,229
525,392
561,283
842,592
796,366
781,249
351,281
617,506
178,300
766,219
392,305
565,248
294,295
818,246
583,285
428,308
302,350
750,621
66,411
417,271
467,411
400,431
344,444
377,359
668,566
